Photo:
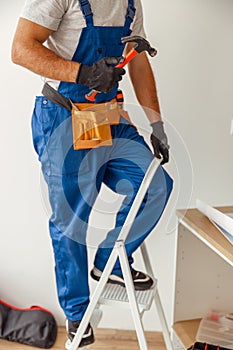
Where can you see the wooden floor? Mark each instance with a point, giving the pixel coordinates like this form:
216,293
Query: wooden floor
106,339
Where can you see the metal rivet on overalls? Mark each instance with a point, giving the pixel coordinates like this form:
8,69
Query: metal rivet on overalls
45,102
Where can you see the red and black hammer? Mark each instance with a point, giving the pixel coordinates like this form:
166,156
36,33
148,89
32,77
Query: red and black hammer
140,46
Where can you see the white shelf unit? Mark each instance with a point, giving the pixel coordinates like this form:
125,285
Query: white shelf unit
203,277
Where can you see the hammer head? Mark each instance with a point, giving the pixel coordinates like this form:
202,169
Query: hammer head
141,44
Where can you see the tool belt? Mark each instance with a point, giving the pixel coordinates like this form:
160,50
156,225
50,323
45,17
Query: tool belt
90,122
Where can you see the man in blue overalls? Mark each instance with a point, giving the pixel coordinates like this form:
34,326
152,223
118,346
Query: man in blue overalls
83,44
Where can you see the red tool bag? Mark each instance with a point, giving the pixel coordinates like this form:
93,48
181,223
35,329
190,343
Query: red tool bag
33,326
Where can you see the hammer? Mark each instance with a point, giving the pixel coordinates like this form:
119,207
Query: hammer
140,46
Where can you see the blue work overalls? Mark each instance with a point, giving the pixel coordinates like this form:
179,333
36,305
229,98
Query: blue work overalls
74,177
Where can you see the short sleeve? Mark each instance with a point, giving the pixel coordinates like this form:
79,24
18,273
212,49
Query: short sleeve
137,26
47,13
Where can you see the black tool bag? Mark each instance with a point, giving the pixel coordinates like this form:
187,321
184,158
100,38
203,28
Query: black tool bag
33,326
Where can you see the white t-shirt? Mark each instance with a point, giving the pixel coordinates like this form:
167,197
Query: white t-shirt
66,19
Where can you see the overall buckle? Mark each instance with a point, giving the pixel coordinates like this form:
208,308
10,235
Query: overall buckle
131,12
86,8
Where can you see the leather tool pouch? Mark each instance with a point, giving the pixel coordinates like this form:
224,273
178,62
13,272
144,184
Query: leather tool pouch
91,126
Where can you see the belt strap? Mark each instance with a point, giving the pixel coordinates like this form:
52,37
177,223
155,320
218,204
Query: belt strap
54,96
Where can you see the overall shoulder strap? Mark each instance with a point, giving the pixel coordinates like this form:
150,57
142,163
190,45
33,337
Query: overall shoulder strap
87,12
130,14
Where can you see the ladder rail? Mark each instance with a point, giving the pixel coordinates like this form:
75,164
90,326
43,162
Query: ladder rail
151,170
157,300
162,318
146,260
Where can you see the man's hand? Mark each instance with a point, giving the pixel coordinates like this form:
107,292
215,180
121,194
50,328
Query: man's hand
159,142
101,76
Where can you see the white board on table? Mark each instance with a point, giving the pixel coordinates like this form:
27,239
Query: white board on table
224,222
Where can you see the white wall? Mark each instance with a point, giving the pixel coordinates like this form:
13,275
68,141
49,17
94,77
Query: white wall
194,77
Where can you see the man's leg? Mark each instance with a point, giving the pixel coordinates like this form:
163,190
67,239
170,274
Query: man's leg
74,180
72,197
129,161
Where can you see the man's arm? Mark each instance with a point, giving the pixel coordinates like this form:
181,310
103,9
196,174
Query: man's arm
144,85
28,51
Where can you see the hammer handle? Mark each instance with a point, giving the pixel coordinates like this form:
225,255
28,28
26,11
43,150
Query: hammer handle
91,95
132,53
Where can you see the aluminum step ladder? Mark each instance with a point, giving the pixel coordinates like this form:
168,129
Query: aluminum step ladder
115,295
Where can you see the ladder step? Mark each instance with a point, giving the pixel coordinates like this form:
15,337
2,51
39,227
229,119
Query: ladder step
114,293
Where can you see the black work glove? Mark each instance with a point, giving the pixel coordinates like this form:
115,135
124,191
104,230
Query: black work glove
159,142
101,76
